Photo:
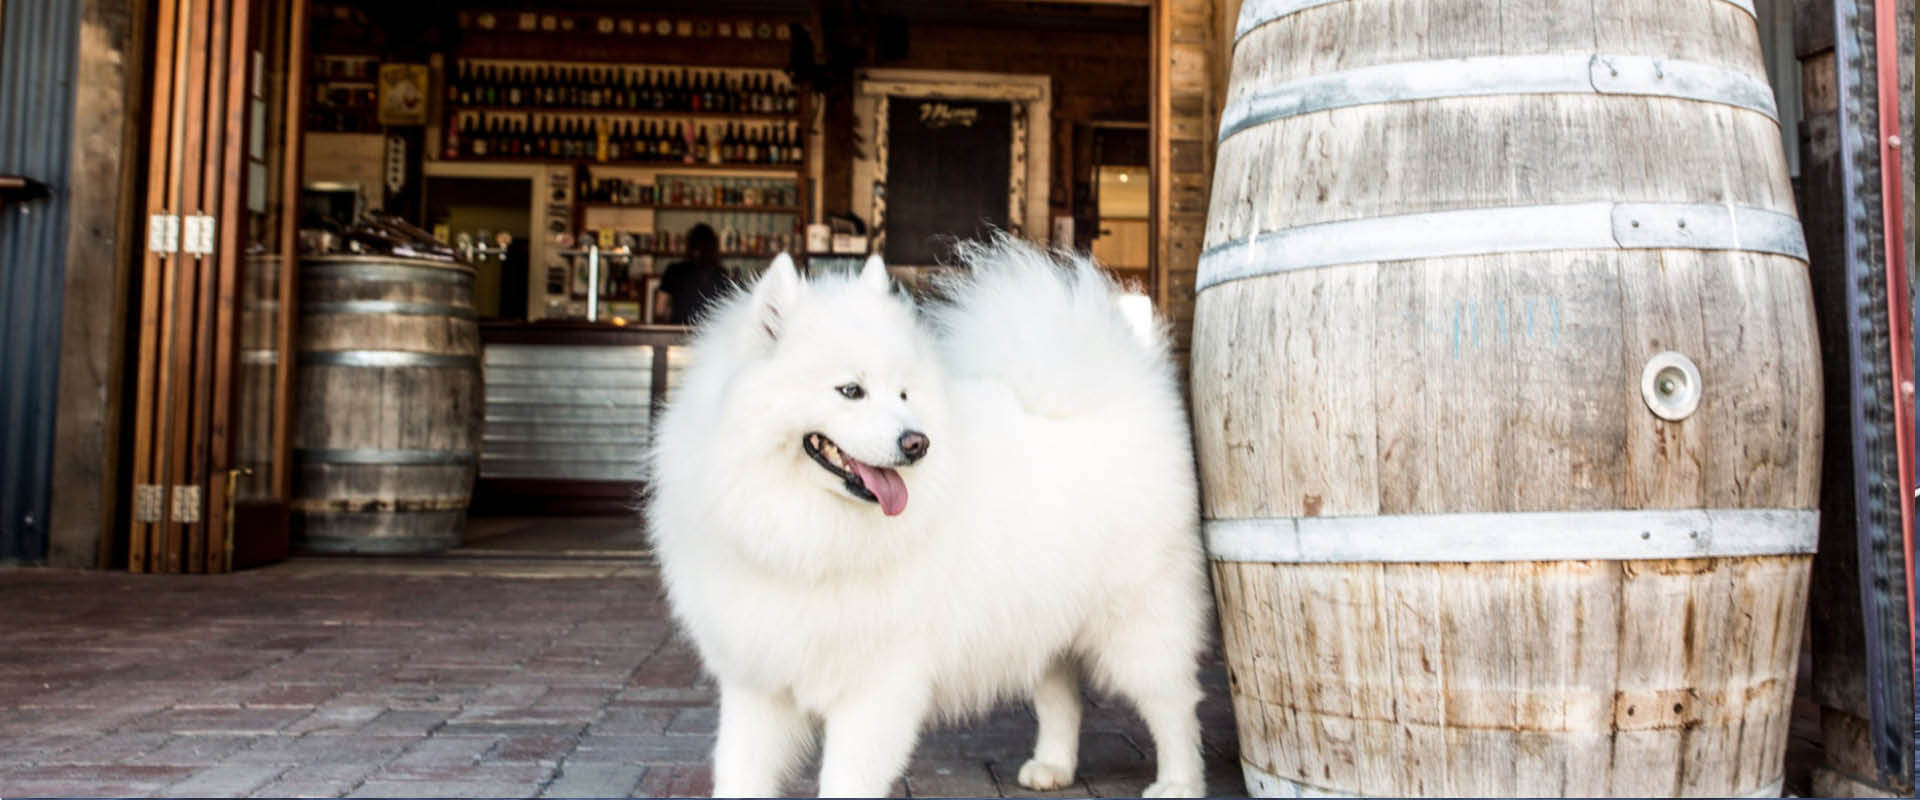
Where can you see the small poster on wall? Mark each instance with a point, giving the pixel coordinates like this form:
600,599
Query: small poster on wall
403,94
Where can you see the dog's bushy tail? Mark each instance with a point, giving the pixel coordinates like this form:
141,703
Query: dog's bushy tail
1050,326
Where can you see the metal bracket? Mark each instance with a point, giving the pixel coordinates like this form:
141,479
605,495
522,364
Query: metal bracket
163,234
198,235
186,503
147,500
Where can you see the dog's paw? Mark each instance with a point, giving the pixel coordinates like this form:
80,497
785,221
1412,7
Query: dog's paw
1044,777
1174,789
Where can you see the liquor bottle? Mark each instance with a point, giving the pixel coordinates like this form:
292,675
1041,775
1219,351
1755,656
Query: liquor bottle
683,143
614,137
456,137
477,139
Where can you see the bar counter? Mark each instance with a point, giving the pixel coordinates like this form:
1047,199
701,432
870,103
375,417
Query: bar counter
569,412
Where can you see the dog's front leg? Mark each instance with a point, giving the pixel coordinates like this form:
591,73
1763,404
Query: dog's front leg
870,736
760,734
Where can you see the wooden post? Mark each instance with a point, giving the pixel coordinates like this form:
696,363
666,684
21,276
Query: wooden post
1186,97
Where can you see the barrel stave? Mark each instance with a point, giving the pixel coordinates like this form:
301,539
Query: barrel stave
1403,679
1338,36
1506,383
1481,152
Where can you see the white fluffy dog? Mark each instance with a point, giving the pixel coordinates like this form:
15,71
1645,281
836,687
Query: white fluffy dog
866,519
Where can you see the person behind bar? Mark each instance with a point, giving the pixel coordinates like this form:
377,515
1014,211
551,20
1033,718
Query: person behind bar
689,286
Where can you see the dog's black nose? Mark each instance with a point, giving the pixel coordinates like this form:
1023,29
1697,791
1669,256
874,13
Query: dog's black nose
913,444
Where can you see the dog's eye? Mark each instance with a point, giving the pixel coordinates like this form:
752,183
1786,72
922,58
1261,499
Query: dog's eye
851,391
903,395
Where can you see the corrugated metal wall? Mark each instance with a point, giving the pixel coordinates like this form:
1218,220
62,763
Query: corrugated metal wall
38,41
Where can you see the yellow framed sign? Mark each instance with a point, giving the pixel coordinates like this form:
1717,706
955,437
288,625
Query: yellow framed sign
403,94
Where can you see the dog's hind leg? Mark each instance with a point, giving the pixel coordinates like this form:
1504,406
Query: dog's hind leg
1153,662
760,735
870,736
1056,751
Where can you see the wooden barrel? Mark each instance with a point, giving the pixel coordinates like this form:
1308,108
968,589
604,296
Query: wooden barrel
388,398
1506,400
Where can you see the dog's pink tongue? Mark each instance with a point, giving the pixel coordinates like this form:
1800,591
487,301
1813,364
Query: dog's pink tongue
886,485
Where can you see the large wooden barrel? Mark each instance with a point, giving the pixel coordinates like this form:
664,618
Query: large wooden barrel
388,399
1506,400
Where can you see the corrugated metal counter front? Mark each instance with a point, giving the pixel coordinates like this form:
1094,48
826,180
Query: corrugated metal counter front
569,410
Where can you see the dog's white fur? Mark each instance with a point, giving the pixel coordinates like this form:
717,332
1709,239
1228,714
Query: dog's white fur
1051,528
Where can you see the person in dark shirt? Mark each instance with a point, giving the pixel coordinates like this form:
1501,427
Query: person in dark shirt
689,286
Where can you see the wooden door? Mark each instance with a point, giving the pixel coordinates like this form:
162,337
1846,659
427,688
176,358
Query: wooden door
211,475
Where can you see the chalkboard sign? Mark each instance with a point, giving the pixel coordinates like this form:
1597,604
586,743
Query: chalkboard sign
948,165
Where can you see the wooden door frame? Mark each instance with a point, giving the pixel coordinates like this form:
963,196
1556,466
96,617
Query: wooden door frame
189,317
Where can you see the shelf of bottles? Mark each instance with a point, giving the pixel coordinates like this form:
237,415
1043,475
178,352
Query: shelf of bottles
684,193
622,114
343,94
743,237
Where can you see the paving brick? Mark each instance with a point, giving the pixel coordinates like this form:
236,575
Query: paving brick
676,781
632,720
540,749
292,696
223,781
197,749
951,779
470,773
315,780
701,719
510,695
335,719
294,751
128,773
664,749
585,697
99,749
510,729
524,716
443,789
403,723
595,780
76,787
219,720
667,695
447,751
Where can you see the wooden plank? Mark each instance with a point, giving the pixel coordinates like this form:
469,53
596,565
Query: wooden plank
232,222
178,359
1661,310
166,55
211,163
293,96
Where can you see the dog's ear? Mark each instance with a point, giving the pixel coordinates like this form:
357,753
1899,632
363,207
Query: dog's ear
874,275
777,290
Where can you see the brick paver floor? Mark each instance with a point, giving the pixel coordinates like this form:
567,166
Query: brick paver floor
475,677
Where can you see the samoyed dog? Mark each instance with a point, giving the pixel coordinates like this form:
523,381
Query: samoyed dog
868,516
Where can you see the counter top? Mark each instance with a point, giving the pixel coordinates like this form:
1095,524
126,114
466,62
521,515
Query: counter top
581,332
